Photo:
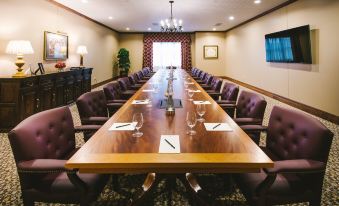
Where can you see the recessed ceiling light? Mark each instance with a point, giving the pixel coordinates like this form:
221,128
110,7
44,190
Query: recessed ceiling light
257,1
231,18
149,29
127,28
110,17
214,29
84,1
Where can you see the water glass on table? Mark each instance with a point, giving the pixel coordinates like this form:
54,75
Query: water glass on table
138,120
191,121
201,110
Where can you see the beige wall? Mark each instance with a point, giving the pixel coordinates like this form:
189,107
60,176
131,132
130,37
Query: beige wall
22,19
315,85
134,43
214,66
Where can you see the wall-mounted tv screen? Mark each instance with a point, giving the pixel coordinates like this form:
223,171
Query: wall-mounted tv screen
291,46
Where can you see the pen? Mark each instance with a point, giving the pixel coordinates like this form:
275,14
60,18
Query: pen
122,125
216,126
169,143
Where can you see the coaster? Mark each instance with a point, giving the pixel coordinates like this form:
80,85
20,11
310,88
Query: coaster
177,103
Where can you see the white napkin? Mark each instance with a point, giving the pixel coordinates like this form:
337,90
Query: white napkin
165,147
189,83
145,101
222,127
197,90
129,127
201,102
148,90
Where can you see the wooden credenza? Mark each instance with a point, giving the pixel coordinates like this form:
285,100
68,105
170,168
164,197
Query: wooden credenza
23,97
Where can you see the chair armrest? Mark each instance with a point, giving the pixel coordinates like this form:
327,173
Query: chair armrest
248,121
94,120
135,87
296,166
206,87
87,128
227,106
114,105
117,101
226,102
253,128
42,166
213,94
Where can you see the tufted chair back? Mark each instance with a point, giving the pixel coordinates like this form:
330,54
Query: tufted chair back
45,135
250,105
202,75
112,91
230,92
197,74
209,79
124,83
144,71
217,85
294,135
132,79
140,74
92,104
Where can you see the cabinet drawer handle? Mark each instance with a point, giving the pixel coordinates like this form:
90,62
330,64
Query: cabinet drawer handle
37,103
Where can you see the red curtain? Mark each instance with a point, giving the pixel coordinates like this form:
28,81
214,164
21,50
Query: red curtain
183,38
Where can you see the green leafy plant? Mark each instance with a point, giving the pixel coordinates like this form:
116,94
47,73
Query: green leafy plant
123,61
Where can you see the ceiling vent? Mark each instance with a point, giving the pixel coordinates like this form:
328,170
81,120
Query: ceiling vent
218,24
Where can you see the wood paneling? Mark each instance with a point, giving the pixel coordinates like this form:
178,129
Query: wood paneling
118,151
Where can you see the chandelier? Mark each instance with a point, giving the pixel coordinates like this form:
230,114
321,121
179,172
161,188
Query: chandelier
171,25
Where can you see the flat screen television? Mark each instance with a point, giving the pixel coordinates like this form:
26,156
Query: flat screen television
291,46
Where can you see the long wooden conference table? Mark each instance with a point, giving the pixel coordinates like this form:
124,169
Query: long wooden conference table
206,152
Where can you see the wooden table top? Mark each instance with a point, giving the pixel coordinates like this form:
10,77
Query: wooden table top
119,152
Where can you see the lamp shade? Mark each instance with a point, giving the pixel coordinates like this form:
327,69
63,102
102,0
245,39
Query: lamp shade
82,50
19,47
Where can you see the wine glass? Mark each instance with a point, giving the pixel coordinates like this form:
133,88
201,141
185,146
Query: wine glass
138,120
186,85
190,93
191,120
155,87
201,110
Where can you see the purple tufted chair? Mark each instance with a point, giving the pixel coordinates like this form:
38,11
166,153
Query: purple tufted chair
134,81
142,76
229,94
211,83
206,81
250,109
138,78
299,146
201,78
146,72
215,87
94,109
113,93
197,75
41,145
125,84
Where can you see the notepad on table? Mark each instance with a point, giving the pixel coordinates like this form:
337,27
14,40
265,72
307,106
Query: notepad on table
197,90
169,144
201,102
189,83
146,101
123,126
148,90
218,127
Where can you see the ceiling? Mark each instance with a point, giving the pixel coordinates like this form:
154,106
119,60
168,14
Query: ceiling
197,15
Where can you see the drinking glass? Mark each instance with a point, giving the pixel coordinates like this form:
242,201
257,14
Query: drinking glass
190,93
186,85
191,120
201,110
138,120
155,87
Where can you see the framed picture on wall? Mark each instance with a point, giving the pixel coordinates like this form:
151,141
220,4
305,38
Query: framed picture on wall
55,46
211,52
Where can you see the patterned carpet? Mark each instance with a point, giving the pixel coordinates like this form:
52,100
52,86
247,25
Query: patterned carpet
10,188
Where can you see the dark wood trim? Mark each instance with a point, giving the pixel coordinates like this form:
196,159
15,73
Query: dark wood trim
311,110
80,14
263,14
103,82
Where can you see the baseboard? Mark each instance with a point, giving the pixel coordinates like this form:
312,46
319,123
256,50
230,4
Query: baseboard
306,108
103,82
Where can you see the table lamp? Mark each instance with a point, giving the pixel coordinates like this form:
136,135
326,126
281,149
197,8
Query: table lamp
19,47
82,50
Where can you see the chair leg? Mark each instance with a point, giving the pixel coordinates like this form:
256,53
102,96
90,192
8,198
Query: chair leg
316,201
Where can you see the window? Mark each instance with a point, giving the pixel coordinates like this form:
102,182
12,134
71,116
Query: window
166,54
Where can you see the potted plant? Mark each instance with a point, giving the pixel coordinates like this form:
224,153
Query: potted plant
123,61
